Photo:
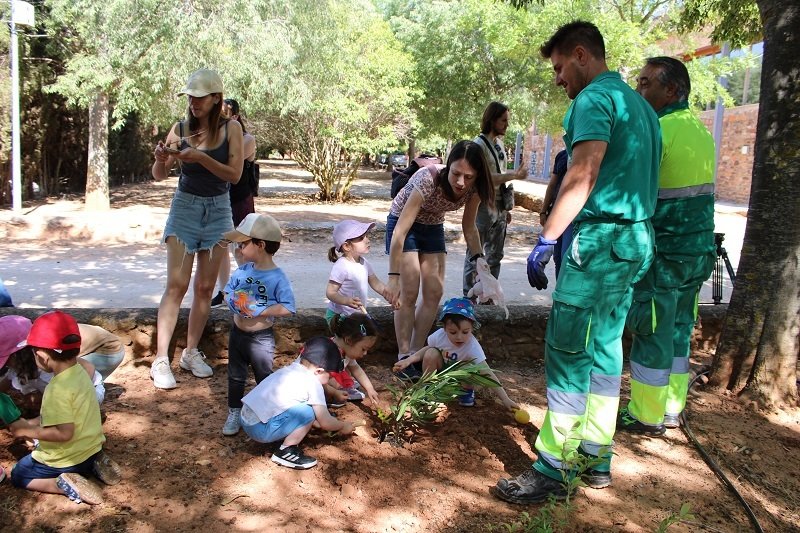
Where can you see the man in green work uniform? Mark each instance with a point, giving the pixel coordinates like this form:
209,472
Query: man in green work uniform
664,307
609,192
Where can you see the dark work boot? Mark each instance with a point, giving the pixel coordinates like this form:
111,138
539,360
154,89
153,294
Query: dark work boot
529,487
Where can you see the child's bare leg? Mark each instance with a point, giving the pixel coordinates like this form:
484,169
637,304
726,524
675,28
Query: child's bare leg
44,485
431,361
296,436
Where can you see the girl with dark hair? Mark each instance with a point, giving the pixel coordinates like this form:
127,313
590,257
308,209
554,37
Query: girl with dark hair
354,335
208,148
415,238
241,193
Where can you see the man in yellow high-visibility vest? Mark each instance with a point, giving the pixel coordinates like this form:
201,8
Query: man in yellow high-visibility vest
664,308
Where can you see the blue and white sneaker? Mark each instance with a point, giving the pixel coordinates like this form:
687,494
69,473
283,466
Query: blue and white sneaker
467,399
79,489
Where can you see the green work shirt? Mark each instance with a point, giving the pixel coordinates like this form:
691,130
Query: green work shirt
609,110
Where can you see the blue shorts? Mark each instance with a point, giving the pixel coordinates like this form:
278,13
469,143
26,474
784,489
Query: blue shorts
279,426
198,221
421,238
105,363
28,469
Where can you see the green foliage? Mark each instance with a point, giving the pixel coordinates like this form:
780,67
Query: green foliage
467,53
735,21
140,53
358,86
683,514
736,83
417,404
496,55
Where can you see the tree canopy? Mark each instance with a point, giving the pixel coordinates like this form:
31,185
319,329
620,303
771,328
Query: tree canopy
316,78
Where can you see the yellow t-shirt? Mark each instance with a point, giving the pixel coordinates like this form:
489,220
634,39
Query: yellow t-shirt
70,398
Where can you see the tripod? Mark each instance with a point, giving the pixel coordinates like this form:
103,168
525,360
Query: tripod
716,275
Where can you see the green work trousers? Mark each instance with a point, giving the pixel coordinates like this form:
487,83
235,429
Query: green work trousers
583,350
662,318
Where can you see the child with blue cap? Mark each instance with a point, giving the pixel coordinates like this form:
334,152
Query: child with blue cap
453,342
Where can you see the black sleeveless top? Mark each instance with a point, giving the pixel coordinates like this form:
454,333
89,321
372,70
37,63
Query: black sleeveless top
197,179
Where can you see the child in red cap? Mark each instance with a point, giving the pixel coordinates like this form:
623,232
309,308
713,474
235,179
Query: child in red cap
69,430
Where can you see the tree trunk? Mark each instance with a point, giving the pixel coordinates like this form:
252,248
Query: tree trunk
97,170
758,348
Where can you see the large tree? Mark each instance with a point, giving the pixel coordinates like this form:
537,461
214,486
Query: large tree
758,349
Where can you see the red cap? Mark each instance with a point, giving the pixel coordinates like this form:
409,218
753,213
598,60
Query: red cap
55,330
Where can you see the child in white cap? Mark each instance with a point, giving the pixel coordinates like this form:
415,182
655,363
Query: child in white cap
348,285
257,293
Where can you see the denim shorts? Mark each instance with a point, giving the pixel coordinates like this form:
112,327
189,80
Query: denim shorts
28,469
421,238
281,425
198,221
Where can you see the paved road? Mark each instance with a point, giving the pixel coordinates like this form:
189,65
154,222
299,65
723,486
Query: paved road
58,255
132,275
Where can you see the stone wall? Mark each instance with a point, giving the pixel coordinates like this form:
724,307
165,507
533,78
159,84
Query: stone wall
735,161
516,341
736,153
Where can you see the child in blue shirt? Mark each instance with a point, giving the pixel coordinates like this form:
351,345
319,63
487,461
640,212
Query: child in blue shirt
257,293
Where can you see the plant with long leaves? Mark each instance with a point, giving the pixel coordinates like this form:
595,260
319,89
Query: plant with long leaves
418,404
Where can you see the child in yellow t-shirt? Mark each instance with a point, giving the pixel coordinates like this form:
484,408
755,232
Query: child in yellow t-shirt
69,430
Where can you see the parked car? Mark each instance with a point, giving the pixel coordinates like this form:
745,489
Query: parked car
398,159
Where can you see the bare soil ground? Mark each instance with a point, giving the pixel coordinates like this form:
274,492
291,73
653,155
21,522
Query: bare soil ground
181,474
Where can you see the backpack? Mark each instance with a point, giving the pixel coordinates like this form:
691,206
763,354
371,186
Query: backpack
401,177
253,177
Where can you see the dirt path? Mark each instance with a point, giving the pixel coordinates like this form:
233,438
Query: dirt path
181,474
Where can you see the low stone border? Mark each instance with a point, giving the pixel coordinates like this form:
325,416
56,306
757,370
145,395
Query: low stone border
518,340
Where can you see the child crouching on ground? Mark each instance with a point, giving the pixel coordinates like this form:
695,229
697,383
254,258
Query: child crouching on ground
290,401
257,293
355,335
69,430
455,341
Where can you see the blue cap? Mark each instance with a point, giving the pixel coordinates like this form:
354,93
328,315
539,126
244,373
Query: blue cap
462,307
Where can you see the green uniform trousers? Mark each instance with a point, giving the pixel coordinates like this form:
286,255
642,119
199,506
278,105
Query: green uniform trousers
662,318
583,350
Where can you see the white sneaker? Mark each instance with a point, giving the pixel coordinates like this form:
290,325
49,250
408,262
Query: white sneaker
162,375
232,424
194,360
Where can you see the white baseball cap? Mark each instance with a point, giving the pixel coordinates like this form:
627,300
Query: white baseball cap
255,226
202,83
